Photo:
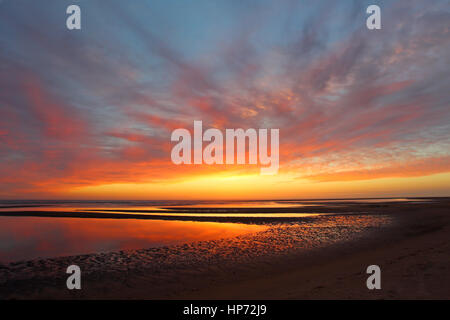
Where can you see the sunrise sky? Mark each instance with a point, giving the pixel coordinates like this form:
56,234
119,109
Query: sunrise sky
88,114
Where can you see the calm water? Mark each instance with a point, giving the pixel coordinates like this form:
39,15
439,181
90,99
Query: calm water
25,238
64,205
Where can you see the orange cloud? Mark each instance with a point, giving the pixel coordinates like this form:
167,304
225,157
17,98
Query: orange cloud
414,168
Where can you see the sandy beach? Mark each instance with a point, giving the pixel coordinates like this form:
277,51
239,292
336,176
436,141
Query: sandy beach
320,257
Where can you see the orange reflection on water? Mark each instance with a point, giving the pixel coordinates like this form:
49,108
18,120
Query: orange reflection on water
219,214
78,208
243,204
25,238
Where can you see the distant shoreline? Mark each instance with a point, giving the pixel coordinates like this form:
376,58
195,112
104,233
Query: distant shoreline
329,208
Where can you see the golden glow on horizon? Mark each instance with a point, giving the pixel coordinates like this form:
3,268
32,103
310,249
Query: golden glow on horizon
255,186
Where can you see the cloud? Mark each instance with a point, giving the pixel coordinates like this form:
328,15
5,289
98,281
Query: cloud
98,107
415,168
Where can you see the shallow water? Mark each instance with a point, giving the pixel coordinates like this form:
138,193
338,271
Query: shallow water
25,238
198,259
217,214
61,205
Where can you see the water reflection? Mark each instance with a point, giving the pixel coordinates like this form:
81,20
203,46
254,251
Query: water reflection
161,205
216,214
25,238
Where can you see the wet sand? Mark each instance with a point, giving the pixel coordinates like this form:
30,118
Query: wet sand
308,258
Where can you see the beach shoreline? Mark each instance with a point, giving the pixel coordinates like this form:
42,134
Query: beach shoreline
414,257
412,251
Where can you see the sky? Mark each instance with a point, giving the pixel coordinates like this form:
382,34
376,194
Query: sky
88,114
